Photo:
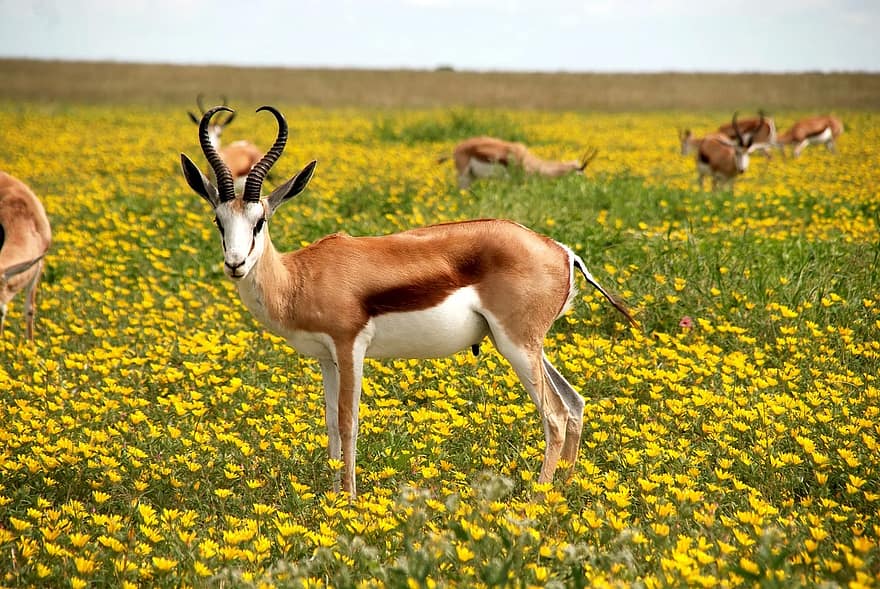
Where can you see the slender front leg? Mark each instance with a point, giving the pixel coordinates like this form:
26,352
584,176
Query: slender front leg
351,372
330,374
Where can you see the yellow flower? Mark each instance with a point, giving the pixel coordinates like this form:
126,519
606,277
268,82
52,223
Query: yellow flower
463,553
163,564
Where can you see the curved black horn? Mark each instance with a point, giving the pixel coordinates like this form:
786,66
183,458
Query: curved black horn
254,182
199,100
736,130
225,184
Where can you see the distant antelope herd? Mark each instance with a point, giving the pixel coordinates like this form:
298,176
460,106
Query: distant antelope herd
723,155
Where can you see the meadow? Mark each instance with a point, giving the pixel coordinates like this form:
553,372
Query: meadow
154,435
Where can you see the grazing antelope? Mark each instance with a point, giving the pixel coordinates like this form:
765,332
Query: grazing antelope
240,156
722,159
485,157
759,131
811,131
25,236
422,293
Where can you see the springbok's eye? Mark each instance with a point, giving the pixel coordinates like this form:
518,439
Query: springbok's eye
258,226
218,224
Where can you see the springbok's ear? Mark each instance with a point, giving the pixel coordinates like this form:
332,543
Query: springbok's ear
198,182
292,187
193,117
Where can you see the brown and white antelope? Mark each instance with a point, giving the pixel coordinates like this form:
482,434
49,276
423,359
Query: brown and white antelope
25,236
760,131
239,156
486,157
423,293
811,131
722,159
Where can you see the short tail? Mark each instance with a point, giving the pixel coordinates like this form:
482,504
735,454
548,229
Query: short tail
443,158
618,304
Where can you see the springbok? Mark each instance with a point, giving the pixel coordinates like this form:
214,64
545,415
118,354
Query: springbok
25,236
760,131
240,156
722,159
811,131
423,293
485,157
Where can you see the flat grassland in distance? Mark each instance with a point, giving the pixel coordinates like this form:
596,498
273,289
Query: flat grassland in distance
151,84
154,435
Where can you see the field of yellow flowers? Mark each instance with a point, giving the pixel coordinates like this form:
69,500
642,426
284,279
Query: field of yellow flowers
154,435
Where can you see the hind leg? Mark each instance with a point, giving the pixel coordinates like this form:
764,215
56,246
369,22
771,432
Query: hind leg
30,305
574,424
527,362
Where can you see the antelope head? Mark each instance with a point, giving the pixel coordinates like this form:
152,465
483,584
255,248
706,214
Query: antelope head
215,128
743,146
242,219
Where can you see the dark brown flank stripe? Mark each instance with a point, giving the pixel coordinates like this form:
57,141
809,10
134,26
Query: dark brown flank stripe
428,291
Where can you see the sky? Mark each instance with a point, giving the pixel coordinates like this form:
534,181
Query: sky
473,35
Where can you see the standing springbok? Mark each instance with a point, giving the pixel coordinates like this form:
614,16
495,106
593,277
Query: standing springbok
485,157
25,236
811,131
722,159
239,156
760,131
422,293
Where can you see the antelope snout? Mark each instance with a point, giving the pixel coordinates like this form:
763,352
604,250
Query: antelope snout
234,266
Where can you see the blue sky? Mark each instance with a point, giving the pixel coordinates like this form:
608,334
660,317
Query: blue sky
539,35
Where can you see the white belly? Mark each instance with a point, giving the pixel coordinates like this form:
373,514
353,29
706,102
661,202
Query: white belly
453,325
481,169
823,137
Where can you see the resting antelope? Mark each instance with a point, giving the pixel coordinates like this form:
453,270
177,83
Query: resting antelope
240,156
484,157
722,159
422,293
25,236
760,131
811,131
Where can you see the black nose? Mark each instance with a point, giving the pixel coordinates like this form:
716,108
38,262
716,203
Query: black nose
234,266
